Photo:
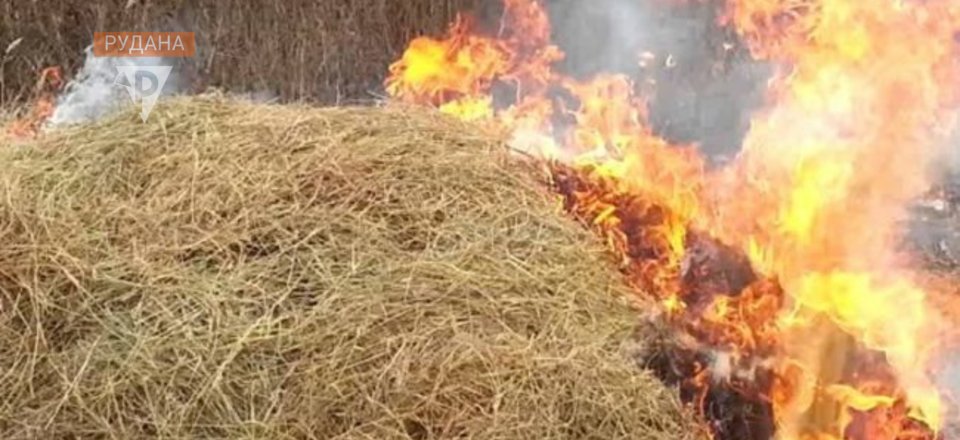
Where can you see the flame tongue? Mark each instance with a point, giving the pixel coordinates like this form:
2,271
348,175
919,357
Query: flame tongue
458,72
847,145
807,309
49,84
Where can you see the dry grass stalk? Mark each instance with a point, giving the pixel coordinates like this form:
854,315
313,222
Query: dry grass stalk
230,270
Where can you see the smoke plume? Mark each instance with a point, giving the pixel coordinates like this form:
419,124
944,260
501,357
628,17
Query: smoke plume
703,82
94,93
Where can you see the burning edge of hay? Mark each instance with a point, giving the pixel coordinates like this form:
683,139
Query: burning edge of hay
235,270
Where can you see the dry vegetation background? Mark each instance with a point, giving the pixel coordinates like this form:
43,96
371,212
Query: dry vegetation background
318,49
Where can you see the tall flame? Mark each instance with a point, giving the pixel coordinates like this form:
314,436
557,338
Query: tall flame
865,92
858,118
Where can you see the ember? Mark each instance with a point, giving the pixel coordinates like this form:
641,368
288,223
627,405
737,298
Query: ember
788,307
722,345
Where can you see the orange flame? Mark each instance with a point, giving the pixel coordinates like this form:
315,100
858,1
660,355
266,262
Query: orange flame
50,82
865,93
858,118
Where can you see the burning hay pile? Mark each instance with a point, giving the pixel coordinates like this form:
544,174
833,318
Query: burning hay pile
231,265
233,270
793,312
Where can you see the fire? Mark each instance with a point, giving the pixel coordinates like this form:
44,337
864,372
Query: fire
783,265
457,73
50,82
864,94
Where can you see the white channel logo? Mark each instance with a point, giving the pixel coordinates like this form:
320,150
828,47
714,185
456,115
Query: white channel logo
144,84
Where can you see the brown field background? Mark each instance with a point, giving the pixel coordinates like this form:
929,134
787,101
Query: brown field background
325,50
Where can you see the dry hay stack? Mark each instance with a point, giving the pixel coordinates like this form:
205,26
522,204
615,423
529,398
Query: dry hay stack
229,270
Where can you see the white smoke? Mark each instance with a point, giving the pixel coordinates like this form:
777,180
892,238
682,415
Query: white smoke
702,85
94,93
947,378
